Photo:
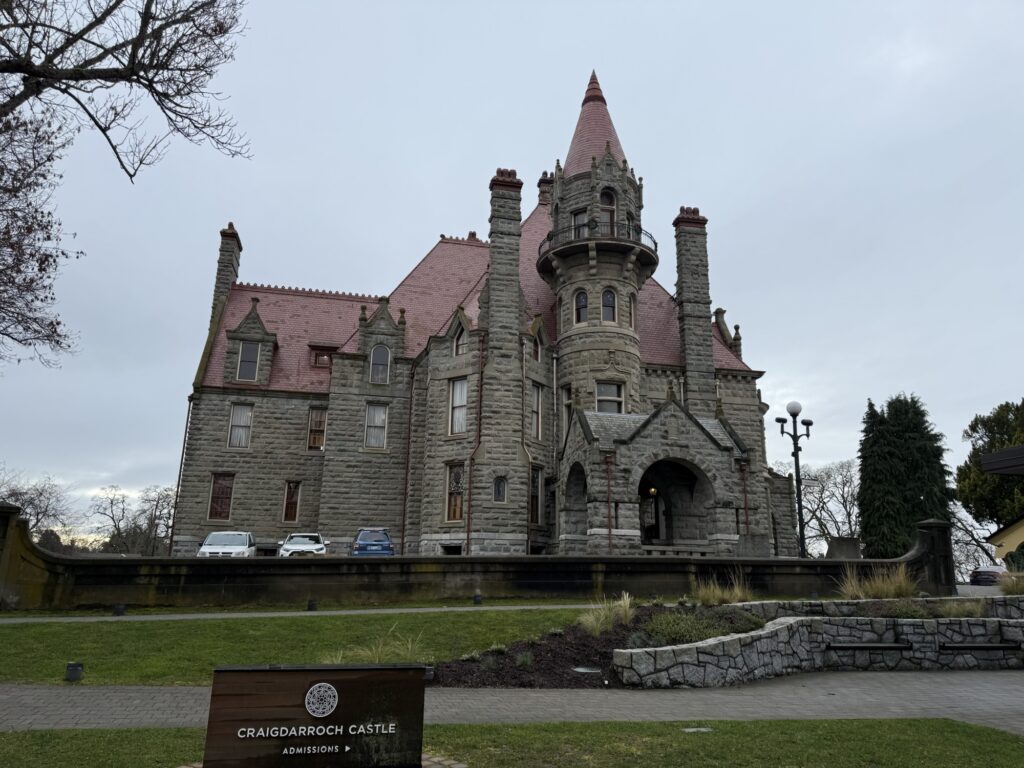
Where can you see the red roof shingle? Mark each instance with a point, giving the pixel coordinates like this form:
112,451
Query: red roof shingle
594,131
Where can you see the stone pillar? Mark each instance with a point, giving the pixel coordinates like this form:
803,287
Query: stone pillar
693,297
227,264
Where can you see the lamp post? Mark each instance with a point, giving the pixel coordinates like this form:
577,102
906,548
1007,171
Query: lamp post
793,409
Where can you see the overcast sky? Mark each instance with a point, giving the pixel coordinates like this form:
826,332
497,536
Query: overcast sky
860,164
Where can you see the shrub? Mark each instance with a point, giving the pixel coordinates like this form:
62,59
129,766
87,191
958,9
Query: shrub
640,640
524,660
678,628
959,609
712,592
897,609
497,649
1012,584
885,583
733,619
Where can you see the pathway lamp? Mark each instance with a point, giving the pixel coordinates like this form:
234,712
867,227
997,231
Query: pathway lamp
793,409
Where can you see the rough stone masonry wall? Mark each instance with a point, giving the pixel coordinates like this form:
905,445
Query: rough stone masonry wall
804,644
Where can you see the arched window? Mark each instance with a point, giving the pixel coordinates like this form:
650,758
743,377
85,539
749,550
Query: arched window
608,306
607,218
460,345
380,364
581,306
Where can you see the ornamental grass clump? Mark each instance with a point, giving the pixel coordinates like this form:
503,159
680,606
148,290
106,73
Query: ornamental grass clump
1012,584
885,583
392,647
959,609
712,592
604,614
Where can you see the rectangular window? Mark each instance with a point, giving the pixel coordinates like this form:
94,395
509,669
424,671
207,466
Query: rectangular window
320,358
609,397
376,426
579,225
241,426
317,429
292,492
566,409
535,494
457,420
248,360
535,410
456,490
220,497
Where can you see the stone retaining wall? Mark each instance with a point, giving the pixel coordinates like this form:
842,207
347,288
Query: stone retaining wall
803,644
996,607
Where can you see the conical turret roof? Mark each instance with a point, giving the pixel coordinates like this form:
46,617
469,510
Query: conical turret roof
594,131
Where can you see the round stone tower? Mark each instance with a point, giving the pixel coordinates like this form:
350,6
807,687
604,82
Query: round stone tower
596,259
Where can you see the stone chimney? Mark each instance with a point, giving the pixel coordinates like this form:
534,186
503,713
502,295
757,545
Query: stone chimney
693,299
544,188
227,265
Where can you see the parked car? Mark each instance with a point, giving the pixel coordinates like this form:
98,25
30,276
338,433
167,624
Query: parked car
987,574
372,541
228,544
302,545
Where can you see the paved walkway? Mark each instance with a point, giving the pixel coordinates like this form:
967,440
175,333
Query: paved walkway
984,698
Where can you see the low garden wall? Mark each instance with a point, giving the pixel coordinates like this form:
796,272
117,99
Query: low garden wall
31,578
836,641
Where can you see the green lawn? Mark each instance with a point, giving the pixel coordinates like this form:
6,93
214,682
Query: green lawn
768,743
185,652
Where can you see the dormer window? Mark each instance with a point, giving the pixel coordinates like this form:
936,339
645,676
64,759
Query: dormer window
580,302
248,360
320,358
460,344
608,306
607,218
380,364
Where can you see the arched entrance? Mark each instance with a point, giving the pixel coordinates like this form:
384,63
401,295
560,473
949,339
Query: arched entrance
672,497
574,510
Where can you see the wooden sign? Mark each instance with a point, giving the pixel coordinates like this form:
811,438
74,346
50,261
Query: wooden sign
311,716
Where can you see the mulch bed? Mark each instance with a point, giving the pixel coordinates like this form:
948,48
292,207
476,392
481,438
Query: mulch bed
551,661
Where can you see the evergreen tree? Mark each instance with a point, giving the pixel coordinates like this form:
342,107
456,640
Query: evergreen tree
903,479
992,498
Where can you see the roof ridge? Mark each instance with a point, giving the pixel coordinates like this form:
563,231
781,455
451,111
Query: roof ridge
470,239
309,291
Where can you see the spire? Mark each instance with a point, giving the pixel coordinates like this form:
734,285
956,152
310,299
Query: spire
594,132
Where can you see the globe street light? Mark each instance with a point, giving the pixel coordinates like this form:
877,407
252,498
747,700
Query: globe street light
793,409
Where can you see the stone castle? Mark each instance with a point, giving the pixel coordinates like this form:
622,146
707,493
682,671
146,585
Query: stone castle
535,393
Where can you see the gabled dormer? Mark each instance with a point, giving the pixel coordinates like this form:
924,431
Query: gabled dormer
250,352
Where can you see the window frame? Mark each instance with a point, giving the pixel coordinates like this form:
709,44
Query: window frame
214,477
536,411
320,358
614,306
464,406
536,493
580,318
460,342
311,430
580,225
247,427
297,500
632,311
375,367
459,466
256,362
501,481
367,427
607,211
619,398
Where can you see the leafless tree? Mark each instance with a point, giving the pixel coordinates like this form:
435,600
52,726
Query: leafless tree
829,501
44,502
154,514
142,529
969,546
69,65
114,517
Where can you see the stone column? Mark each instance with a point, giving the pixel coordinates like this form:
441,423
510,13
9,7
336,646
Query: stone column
693,298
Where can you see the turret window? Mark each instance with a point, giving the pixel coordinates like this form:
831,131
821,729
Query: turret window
380,364
581,307
607,212
632,312
609,397
608,306
579,225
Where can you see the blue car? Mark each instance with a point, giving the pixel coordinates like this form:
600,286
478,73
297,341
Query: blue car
375,542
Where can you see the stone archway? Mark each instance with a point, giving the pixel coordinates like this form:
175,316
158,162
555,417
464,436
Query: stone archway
574,507
673,497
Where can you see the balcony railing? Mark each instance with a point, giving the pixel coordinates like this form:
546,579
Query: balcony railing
598,231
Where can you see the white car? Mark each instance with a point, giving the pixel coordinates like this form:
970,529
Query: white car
228,544
299,544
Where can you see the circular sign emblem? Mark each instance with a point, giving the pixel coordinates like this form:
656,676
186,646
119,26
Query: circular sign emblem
321,699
